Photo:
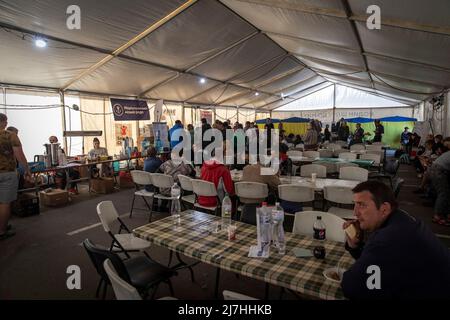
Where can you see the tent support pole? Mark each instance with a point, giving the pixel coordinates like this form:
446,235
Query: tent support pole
104,122
4,99
334,102
63,115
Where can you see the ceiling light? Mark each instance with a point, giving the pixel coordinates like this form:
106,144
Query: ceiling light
40,43
256,93
202,80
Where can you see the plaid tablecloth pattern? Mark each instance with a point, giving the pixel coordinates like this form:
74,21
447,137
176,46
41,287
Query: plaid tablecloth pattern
194,237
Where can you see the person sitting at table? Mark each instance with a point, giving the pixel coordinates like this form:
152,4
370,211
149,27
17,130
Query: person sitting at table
151,164
61,175
95,154
311,137
174,167
401,259
215,171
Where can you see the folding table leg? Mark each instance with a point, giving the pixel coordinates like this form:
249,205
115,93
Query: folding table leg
216,288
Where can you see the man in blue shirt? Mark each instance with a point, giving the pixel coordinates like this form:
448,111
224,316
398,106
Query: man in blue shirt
151,164
401,259
178,126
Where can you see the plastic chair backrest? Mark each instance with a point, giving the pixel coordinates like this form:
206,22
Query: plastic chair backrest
311,154
307,169
369,156
347,156
162,180
122,289
185,182
333,146
374,147
342,195
326,153
204,188
295,193
251,190
141,178
231,295
353,173
304,221
357,147
294,153
378,152
107,214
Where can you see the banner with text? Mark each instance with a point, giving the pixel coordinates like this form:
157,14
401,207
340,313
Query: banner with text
125,110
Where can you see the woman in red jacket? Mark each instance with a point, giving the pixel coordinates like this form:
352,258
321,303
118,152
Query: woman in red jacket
213,170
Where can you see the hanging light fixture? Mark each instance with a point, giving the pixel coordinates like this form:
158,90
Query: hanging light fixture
40,42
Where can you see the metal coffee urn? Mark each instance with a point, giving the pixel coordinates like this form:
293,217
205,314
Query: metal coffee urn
51,152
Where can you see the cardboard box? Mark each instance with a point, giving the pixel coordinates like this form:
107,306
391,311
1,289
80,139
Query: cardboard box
84,171
27,204
102,185
125,180
54,198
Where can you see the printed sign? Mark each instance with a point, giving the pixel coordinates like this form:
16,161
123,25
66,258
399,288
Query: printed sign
125,110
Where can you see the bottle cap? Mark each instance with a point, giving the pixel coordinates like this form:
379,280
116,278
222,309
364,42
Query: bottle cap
264,204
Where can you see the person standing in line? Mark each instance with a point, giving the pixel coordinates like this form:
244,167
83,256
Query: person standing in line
10,152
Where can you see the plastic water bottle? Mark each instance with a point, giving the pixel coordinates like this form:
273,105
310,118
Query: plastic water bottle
264,217
175,208
226,211
158,144
319,229
278,229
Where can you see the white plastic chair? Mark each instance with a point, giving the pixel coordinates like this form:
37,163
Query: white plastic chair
121,241
142,179
246,191
304,221
326,153
231,295
122,289
337,152
186,185
374,147
294,153
296,193
331,166
342,143
377,152
340,165
206,189
353,173
347,156
162,181
307,169
339,195
300,146
311,154
357,147
377,144
375,157
333,146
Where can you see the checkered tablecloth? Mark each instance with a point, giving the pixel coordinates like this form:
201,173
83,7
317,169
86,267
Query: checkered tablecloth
194,237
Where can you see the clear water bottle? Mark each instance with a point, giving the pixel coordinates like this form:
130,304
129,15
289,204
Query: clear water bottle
264,217
226,211
175,208
158,143
278,229
319,229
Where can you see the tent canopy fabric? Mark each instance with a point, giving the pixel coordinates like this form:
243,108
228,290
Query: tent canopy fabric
398,119
257,54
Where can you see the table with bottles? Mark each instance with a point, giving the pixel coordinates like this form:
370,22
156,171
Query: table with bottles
196,235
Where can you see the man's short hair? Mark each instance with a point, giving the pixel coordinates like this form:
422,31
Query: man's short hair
3,117
204,121
379,191
178,122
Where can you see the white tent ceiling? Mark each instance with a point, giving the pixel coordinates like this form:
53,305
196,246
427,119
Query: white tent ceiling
282,49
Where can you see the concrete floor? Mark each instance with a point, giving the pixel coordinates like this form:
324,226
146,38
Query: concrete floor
33,263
